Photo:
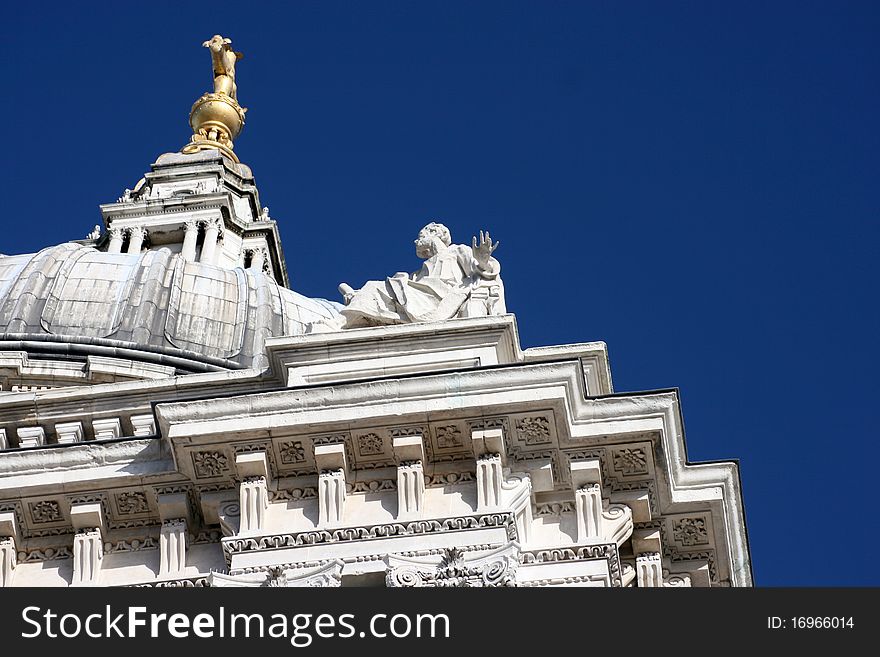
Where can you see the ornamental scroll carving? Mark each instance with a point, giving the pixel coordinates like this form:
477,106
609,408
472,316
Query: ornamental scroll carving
454,571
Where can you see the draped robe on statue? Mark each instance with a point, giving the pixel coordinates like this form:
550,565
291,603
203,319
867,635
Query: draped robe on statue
433,293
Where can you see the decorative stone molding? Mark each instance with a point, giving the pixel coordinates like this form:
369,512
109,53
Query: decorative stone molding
107,428
45,511
454,570
690,531
533,430
189,582
369,444
554,508
45,554
210,464
69,432
292,451
676,581
143,425
448,436
131,502
327,575
238,545
304,493
631,461
448,479
229,514
31,437
132,545
605,551
371,486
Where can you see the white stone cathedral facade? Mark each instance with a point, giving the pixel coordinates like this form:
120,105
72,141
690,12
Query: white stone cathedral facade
172,414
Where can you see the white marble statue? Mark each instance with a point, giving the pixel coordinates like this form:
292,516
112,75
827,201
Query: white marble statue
436,292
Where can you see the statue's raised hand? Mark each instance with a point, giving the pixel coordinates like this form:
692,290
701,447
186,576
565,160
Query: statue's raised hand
483,251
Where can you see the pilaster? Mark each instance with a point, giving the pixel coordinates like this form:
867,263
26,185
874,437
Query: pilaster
8,547
331,463
253,468
410,454
88,543
176,516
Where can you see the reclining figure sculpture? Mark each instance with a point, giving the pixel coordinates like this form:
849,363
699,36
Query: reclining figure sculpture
454,281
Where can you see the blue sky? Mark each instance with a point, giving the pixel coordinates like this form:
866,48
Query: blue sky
695,183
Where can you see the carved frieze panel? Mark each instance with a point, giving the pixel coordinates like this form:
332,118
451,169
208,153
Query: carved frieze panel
190,582
690,531
448,441
454,570
622,464
292,452
131,503
408,430
534,430
632,461
293,494
131,545
369,444
370,448
210,463
43,512
437,480
371,486
607,551
694,542
45,554
235,545
294,455
690,537
556,508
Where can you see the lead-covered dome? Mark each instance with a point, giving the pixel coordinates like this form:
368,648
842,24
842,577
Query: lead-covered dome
73,300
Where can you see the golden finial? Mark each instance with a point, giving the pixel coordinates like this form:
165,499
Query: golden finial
216,118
